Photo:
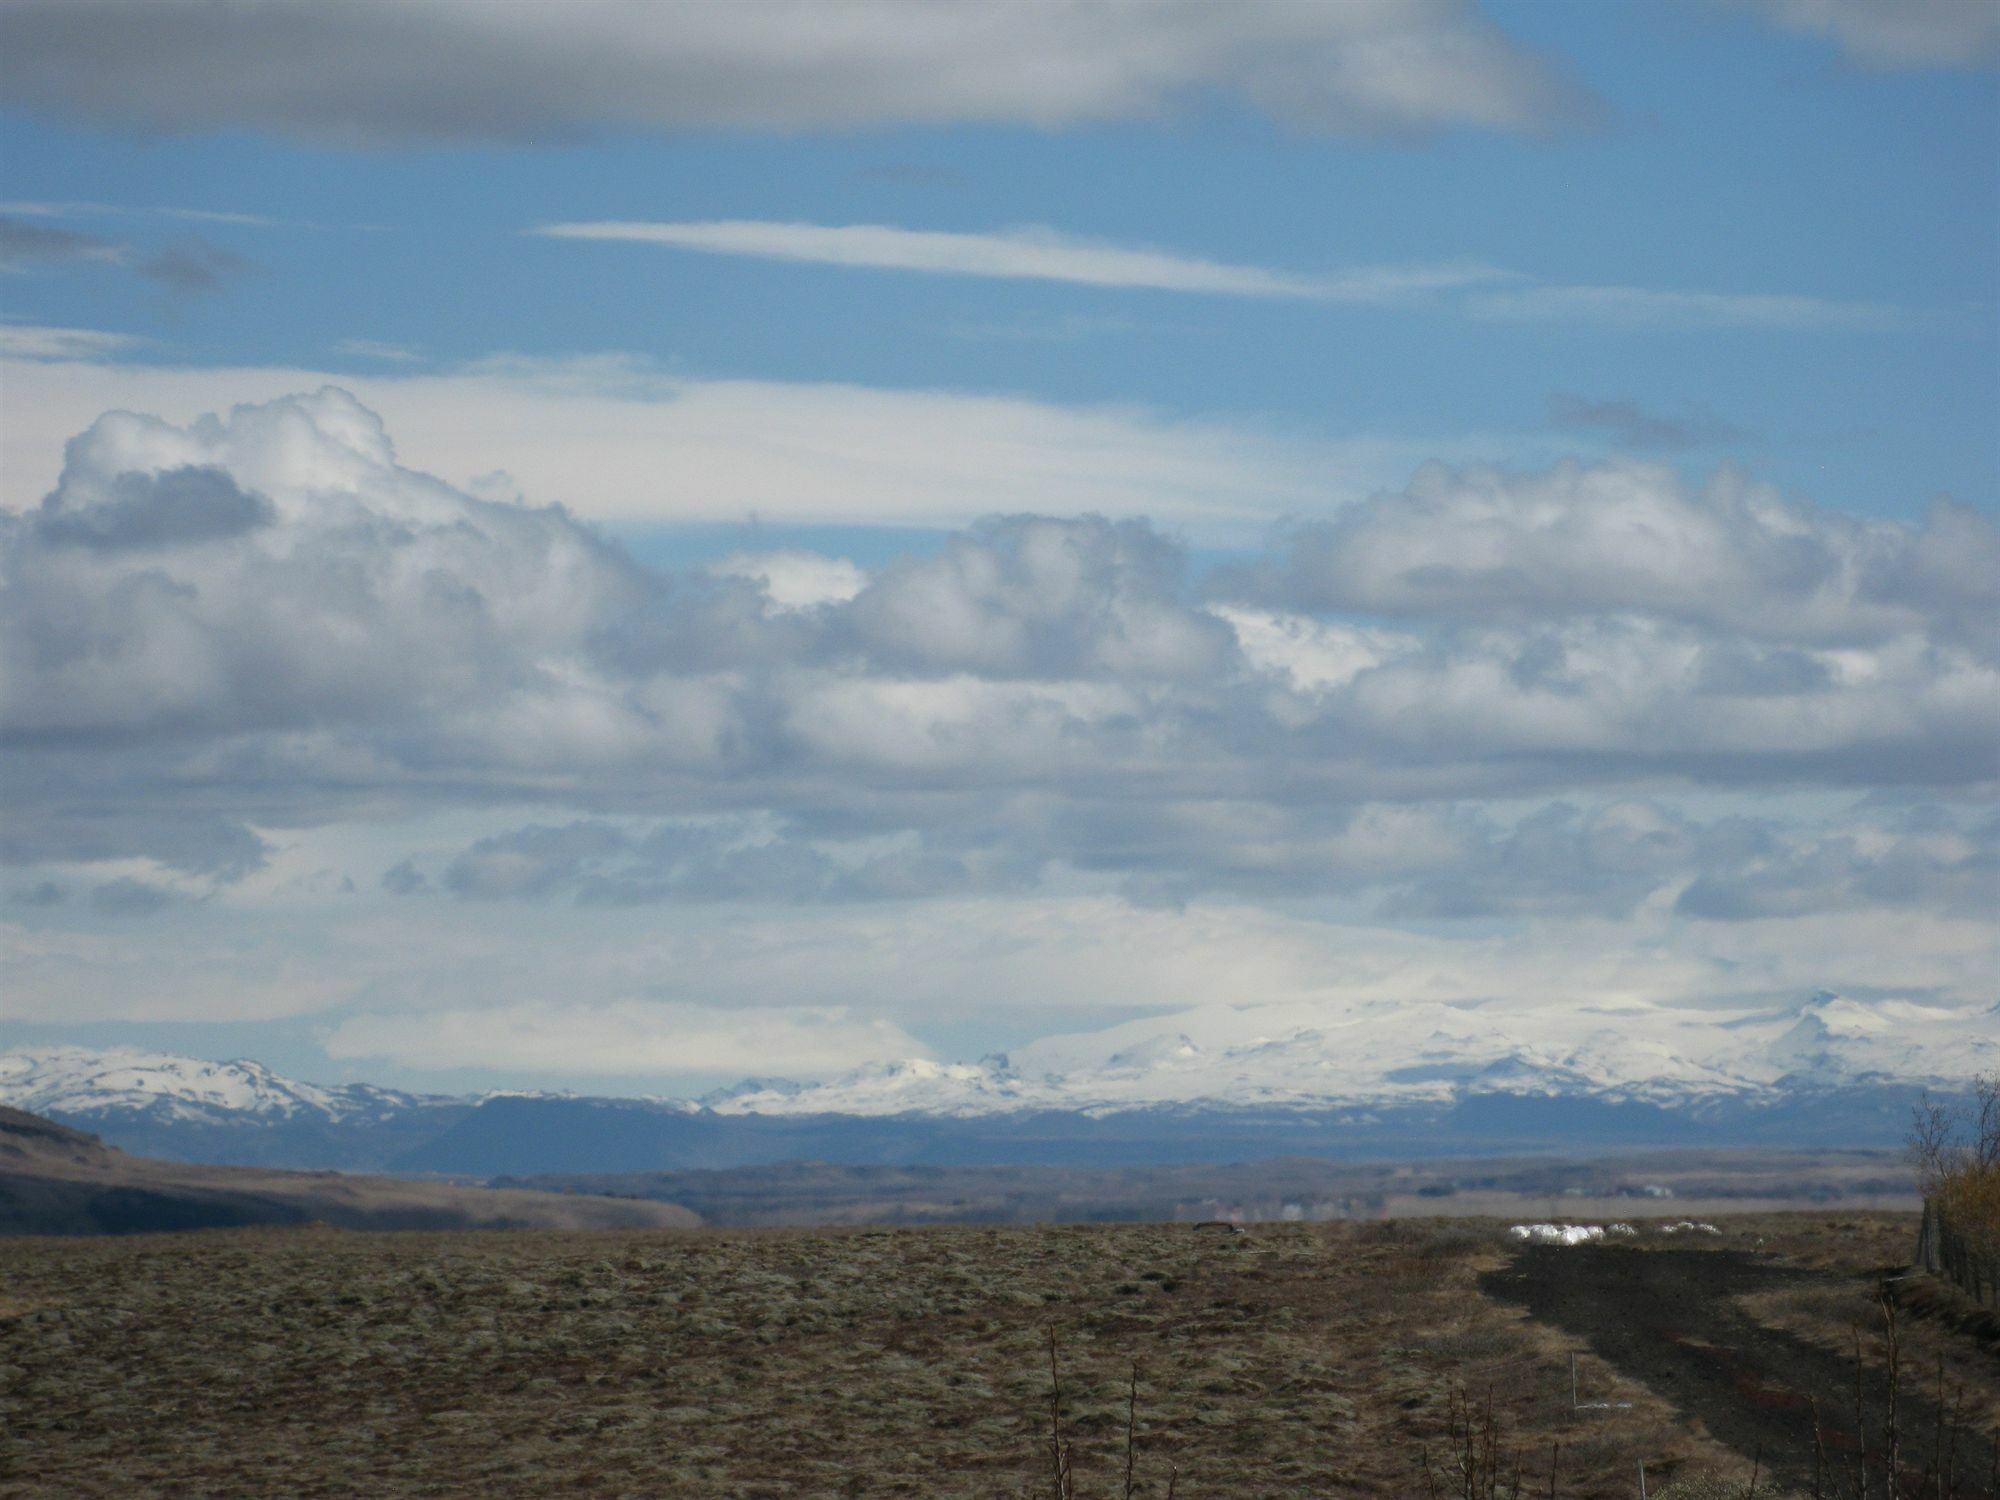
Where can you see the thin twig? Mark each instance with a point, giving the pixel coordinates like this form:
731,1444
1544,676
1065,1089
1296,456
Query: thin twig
1131,1424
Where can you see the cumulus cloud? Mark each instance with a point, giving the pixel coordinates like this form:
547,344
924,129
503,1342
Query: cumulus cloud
1037,597
1897,33
190,578
627,1037
369,72
1632,539
264,620
174,507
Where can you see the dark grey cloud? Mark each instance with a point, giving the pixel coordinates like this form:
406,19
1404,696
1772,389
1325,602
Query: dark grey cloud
72,810
404,879
530,861
1754,870
23,241
388,72
190,267
193,267
43,893
1630,425
172,508
1558,861
125,897
594,863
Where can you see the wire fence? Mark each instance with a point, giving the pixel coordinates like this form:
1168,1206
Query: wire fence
1945,1251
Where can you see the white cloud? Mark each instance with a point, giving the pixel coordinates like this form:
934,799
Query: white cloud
659,989
617,441
1022,772
1032,253
36,341
1897,33
795,579
69,210
275,585
1041,254
621,1038
1626,537
376,72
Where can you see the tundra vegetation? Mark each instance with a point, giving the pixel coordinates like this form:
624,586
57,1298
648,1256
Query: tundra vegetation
1337,1359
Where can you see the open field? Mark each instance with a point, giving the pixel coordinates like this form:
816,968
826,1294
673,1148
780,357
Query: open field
1294,1359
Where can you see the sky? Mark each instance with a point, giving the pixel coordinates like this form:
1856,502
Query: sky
617,547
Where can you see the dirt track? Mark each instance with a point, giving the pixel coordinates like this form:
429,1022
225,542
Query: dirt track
1669,1319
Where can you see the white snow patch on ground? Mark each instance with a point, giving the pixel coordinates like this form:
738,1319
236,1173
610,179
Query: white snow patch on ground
1557,1234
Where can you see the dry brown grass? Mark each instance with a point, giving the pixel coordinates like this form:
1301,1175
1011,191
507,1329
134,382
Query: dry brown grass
1292,1360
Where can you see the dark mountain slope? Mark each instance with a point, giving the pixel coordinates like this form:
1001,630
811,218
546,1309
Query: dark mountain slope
58,1180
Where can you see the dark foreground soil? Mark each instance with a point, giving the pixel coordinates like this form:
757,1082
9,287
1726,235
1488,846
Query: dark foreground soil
1671,1320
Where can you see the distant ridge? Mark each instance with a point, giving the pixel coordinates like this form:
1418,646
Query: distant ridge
58,1180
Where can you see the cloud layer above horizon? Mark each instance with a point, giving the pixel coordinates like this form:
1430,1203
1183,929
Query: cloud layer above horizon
1595,695
642,543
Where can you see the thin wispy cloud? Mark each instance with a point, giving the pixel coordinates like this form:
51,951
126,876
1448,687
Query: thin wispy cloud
71,210
401,354
191,266
1899,34
1038,253
1654,307
1029,253
38,341
23,244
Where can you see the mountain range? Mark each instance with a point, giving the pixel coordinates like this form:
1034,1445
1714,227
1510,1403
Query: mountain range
1215,1083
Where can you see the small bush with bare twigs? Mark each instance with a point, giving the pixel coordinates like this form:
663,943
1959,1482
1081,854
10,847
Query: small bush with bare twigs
1956,1151
1061,1451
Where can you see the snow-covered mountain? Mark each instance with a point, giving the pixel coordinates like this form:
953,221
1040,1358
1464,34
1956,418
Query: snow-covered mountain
191,1109
1403,1076
82,1083
1296,1057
